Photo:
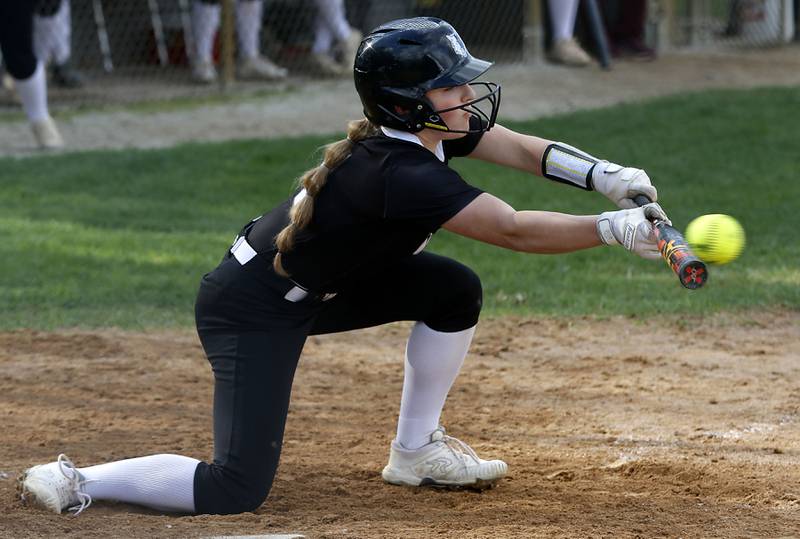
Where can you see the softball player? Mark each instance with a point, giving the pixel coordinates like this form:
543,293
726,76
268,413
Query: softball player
252,65
19,59
346,251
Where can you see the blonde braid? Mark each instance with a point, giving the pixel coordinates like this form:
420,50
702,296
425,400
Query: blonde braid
312,181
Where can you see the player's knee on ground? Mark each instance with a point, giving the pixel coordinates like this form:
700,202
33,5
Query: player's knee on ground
220,491
460,299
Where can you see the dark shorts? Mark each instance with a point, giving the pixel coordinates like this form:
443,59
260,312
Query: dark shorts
16,38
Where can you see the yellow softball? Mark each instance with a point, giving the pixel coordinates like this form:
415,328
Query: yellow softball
716,238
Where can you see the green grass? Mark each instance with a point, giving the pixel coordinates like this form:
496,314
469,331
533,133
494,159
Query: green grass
122,238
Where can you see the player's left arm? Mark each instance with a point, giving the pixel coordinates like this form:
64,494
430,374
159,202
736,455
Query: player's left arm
505,147
563,163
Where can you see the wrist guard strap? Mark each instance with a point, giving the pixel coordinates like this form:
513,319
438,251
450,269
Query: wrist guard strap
566,164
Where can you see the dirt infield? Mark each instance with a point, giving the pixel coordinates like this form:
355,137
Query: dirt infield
611,428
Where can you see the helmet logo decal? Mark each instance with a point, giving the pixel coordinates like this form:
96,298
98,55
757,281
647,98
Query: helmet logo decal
458,46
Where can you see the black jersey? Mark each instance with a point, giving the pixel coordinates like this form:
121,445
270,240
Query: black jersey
383,201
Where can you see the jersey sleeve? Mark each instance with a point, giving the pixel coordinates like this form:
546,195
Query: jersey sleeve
426,195
461,147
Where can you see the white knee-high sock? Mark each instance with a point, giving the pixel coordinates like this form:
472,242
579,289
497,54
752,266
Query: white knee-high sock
44,31
63,34
248,27
162,482
433,360
205,22
562,16
332,13
331,25
323,38
51,35
33,94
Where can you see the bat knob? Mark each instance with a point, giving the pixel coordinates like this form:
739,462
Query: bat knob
693,274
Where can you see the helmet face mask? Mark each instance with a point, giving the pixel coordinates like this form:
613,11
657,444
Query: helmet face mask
399,62
476,107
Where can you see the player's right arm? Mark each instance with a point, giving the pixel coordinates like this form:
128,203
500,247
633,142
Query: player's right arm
491,220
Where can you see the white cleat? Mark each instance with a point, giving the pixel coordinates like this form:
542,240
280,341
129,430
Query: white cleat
46,134
569,53
204,72
445,461
322,65
260,68
55,486
8,82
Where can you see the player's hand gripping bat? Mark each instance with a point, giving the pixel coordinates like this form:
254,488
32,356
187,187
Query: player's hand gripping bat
691,271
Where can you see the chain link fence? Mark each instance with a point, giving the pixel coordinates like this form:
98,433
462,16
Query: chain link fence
721,24
109,52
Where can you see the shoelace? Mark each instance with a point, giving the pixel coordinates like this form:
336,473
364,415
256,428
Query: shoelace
65,464
460,449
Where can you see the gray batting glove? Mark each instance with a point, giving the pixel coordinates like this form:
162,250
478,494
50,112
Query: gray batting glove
631,229
620,184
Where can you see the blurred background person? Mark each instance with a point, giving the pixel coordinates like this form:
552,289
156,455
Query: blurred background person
16,44
335,41
733,27
625,25
252,65
565,48
52,32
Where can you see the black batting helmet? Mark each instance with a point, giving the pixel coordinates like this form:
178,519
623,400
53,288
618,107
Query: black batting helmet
401,60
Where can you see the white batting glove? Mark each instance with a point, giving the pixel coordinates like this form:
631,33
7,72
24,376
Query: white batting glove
621,184
631,229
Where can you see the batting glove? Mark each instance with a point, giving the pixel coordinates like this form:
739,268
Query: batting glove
620,184
631,229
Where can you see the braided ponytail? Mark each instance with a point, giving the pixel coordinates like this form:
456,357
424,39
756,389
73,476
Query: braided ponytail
312,181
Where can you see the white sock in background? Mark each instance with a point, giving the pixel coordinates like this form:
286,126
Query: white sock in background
63,34
44,32
433,360
33,94
51,35
248,26
162,482
562,16
205,22
331,24
323,38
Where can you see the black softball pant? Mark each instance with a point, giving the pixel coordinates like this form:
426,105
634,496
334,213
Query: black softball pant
16,37
253,338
